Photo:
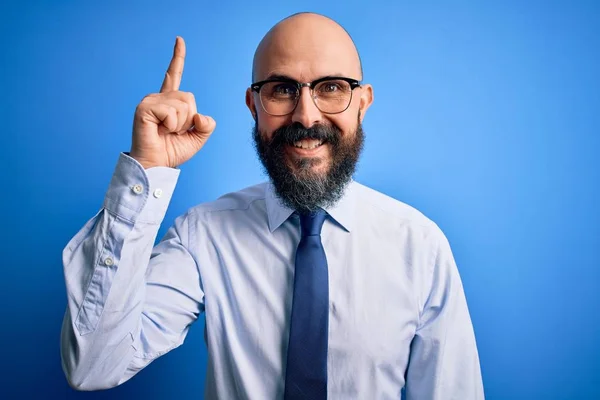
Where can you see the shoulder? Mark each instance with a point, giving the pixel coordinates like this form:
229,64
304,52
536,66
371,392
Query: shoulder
238,200
392,212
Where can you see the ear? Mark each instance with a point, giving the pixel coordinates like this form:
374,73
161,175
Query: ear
250,103
366,99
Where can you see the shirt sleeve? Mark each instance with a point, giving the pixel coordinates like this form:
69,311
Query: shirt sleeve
128,301
444,361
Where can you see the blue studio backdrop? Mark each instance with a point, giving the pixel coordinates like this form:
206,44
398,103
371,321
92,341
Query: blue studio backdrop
486,118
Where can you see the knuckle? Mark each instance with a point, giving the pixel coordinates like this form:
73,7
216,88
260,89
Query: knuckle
189,96
146,103
172,74
141,108
146,99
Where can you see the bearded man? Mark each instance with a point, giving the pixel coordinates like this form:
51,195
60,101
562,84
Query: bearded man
313,285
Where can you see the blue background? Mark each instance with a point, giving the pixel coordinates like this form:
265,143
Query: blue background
486,118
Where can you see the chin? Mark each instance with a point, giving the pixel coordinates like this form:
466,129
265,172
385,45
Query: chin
309,166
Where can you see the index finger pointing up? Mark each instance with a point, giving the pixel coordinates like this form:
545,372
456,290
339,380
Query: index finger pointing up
175,71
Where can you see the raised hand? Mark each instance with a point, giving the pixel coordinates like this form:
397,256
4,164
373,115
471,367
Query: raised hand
167,129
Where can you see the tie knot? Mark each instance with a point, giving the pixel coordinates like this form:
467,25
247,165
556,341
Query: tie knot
312,223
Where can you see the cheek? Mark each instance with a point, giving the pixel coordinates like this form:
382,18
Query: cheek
269,124
346,122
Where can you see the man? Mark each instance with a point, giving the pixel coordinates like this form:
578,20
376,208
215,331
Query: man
313,285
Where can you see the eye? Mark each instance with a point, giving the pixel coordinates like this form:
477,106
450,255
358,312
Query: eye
333,88
283,90
330,87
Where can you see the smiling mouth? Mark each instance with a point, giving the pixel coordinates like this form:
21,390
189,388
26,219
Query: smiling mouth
308,144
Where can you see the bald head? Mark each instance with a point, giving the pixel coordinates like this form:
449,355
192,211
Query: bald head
306,46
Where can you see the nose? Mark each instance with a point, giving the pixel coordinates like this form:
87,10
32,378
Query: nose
306,112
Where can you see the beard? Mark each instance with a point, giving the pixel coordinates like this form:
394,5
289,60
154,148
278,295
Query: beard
300,187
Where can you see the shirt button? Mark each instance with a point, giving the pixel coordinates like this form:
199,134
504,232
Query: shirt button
108,261
137,189
158,193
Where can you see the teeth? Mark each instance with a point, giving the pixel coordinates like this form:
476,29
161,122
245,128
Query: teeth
308,144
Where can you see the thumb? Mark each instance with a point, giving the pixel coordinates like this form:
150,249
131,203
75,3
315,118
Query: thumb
203,126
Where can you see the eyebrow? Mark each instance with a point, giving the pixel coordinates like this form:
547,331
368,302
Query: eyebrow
279,77
288,78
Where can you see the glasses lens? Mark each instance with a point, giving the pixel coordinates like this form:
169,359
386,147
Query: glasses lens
333,96
278,98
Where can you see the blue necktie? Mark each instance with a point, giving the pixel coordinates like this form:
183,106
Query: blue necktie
306,372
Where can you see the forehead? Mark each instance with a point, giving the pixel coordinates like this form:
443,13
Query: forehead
307,54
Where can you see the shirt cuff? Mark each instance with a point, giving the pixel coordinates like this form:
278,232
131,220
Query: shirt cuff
140,195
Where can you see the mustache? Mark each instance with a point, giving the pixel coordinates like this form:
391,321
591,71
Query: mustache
295,132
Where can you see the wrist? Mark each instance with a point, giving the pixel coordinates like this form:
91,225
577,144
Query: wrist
145,163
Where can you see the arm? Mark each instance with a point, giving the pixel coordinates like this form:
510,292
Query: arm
444,361
127,301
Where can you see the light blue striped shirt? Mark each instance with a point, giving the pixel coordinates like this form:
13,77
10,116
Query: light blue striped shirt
398,316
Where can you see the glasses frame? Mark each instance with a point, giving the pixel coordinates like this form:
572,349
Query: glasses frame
256,86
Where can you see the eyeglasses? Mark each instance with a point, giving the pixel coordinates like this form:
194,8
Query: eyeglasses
331,95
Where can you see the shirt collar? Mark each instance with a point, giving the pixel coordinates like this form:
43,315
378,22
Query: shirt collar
276,211
343,212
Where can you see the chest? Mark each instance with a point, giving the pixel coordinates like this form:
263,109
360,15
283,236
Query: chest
373,301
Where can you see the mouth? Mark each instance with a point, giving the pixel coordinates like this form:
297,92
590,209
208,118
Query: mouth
308,144
307,147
